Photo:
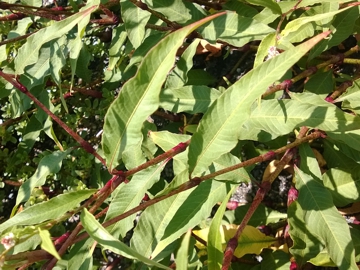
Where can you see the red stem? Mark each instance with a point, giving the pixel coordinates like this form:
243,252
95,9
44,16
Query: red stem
84,144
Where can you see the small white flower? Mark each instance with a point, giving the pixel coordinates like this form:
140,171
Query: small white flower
8,241
272,52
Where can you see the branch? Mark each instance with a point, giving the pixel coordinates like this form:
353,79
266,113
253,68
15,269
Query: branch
87,146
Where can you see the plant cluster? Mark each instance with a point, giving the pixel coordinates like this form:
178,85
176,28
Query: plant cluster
126,127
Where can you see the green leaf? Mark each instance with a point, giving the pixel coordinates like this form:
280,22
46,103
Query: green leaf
81,255
47,244
277,259
161,224
48,164
351,99
181,259
30,135
178,76
305,31
320,83
48,210
309,164
191,98
167,140
307,244
216,134
135,20
251,240
104,238
142,50
283,116
336,158
344,186
226,160
262,216
273,6
118,40
199,77
297,23
263,49
214,245
58,54
341,28
28,53
177,10
322,219
351,138
349,151
241,8
235,30
77,46
128,196
122,128
35,74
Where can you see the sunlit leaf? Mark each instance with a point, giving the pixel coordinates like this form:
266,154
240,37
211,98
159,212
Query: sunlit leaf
282,116
181,259
273,6
216,134
48,210
344,186
47,244
322,219
135,20
306,243
214,247
297,23
28,53
178,76
104,238
251,241
122,127
129,196
235,30
190,98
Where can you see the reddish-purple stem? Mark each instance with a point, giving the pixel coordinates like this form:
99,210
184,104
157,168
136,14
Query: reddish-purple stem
84,144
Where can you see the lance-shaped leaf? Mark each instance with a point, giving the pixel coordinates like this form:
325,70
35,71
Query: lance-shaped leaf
296,24
235,30
130,196
104,238
306,244
48,210
48,164
140,96
163,223
214,248
28,54
190,98
182,254
135,20
274,6
177,10
218,131
282,116
323,219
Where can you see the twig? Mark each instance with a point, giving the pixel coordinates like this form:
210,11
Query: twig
87,146
260,194
197,180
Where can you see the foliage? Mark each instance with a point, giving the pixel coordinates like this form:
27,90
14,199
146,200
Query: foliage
125,123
